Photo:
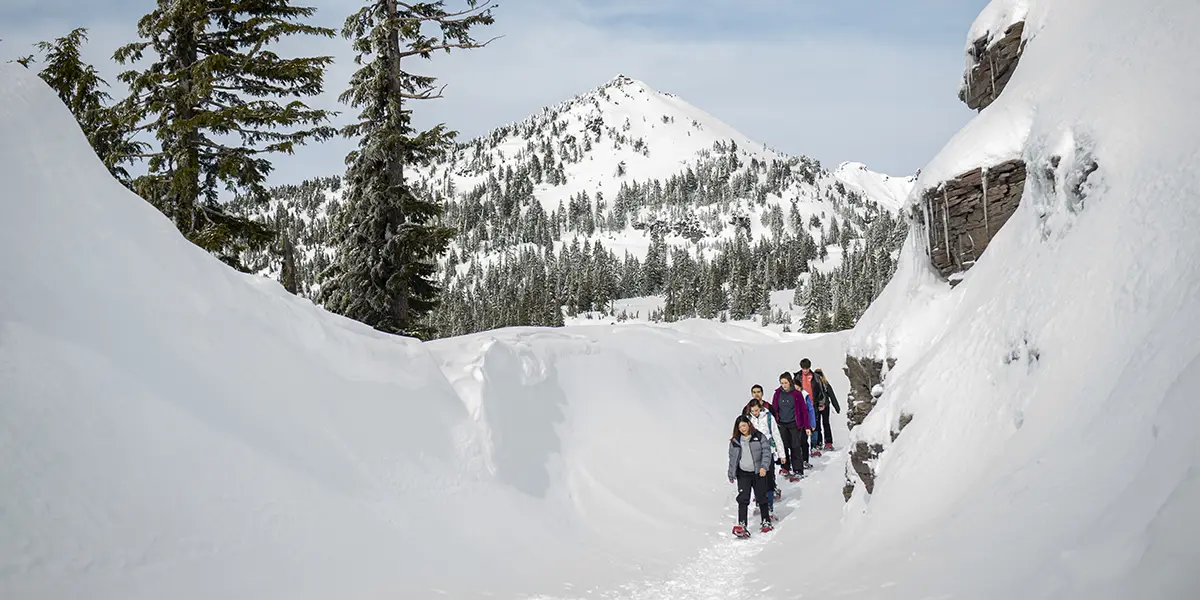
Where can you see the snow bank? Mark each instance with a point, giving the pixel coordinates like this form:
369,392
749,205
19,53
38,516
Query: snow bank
999,134
171,428
995,19
1052,453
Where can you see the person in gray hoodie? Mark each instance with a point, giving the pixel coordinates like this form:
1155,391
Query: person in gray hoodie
749,462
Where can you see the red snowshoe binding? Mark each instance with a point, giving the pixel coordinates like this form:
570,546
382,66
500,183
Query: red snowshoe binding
766,526
740,531
829,447
814,453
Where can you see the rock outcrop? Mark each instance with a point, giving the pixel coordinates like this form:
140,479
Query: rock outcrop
993,63
864,374
862,460
866,387
960,216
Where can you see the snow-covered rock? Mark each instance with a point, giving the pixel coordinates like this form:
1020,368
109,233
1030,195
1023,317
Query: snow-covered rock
994,48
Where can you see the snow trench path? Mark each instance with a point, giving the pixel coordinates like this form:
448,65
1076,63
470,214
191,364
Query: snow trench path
722,570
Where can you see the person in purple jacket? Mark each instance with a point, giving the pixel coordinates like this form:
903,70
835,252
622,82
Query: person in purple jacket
791,412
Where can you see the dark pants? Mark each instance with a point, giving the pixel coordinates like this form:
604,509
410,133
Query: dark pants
747,480
795,446
823,425
770,488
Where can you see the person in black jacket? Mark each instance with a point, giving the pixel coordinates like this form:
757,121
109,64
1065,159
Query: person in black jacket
826,398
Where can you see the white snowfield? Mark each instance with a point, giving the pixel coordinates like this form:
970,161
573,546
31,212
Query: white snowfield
172,429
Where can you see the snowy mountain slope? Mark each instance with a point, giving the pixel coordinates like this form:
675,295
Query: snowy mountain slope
886,190
1051,452
699,173
606,183
622,125
172,428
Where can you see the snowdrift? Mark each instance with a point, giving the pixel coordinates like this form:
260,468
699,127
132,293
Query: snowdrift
1052,450
172,429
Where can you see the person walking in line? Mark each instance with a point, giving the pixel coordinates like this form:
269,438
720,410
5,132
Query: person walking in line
828,398
762,420
811,384
791,413
749,461
756,393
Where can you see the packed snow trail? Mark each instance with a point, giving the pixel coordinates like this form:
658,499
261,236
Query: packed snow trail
730,568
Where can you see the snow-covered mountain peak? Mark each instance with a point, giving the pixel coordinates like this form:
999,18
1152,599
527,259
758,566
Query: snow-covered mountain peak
631,174
619,132
888,191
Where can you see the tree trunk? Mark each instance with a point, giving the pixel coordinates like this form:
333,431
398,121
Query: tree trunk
186,181
287,274
395,166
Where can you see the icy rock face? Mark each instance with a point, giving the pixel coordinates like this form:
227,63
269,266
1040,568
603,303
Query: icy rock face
961,215
864,374
866,377
991,63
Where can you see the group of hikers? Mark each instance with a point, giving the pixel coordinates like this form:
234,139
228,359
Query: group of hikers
789,429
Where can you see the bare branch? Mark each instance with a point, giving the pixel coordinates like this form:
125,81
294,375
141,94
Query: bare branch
446,18
431,49
429,95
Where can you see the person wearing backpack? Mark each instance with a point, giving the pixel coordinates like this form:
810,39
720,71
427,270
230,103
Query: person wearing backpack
827,399
807,380
762,420
749,461
790,408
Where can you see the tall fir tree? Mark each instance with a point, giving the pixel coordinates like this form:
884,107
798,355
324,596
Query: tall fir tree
214,100
842,319
392,235
108,127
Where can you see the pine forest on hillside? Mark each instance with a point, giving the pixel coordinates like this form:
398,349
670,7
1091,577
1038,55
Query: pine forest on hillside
539,263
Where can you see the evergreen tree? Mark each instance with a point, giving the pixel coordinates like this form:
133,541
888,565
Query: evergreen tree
213,78
824,323
654,274
391,236
842,320
812,308
79,86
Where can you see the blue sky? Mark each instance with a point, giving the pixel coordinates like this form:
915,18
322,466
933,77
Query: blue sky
873,81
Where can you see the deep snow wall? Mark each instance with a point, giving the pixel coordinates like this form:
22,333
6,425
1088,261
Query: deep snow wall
1052,451
170,428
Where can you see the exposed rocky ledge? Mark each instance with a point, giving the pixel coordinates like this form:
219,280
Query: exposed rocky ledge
862,460
992,65
866,386
864,374
964,214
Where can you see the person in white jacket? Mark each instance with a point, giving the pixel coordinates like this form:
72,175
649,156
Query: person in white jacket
763,421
